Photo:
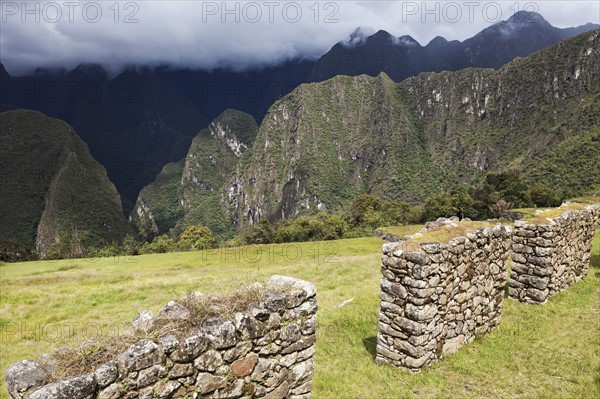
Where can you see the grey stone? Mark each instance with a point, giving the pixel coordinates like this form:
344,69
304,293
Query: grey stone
23,376
169,343
274,301
181,370
143,321
174,310
416,363
191,347
150,375
141,355
537,295
260,314
208,361
420,313
262,369
393,289
280,392
389,247
240,350
409,326
290,333
418,258
533,281
233,390
408,348
222,332
248,327
106,374
207,382
83,387
432,247
113,391
300,345
302,371
164,389
309,288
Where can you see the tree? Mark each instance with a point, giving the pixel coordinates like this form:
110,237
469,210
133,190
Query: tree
261,233
501,208
542,196
439,205
161,244
196,237
361,206
14,251
130,245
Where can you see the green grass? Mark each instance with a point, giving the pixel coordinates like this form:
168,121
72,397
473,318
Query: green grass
553,213
401,231
445,233
536,352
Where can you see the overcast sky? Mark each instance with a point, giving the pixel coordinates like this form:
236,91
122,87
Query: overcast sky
237,34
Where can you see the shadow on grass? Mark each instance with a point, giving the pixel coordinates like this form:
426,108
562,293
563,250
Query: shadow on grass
370,345
595,263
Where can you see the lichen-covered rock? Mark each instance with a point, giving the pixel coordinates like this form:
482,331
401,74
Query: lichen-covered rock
23,376
142,354
106,374
143,321
83,387
175,310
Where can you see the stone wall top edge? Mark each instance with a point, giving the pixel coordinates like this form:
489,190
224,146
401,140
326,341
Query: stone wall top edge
399,248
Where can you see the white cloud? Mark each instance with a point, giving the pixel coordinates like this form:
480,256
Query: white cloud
205,34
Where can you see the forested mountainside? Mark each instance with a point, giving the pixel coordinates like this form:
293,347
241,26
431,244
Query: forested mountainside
52,188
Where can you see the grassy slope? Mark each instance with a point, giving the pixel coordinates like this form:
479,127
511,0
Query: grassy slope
547,351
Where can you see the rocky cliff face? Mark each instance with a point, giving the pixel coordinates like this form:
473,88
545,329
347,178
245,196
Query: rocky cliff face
193,190
323,144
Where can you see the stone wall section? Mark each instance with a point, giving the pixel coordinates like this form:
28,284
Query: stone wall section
547,258
266,352
439,297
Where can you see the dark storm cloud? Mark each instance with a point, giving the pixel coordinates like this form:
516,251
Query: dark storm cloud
236,34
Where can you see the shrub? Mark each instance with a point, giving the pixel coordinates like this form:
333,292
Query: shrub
161,244
14,251
196,238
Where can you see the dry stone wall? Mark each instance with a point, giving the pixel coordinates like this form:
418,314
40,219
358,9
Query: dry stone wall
439,297
266,352
548,257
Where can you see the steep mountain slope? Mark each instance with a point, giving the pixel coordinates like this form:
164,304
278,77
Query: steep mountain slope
192,191
400,58
134,127
325,143
52,188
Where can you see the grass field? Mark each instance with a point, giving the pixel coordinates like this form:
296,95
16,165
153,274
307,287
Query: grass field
550,351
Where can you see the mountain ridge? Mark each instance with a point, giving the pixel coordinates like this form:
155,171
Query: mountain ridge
523,33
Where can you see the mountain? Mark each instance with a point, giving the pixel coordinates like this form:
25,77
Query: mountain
52,187
134,125
140,120
402,57
327,142
191,191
